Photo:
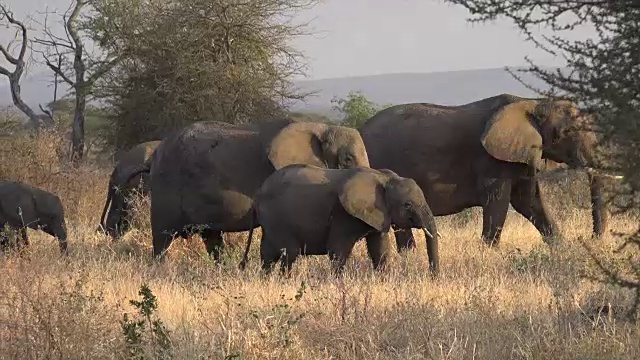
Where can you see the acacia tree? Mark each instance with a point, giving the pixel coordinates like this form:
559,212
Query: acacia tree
195,60
19,64
70,58
356,108
603,75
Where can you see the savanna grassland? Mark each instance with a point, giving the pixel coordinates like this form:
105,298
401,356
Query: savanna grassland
520,301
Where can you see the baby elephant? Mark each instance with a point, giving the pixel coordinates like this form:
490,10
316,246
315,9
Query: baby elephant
307,210
23,206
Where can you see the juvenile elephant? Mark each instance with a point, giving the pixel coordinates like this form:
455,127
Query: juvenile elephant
307,210
485,153
203,177
23,206
121,188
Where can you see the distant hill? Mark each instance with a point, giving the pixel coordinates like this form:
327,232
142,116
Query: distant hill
447,88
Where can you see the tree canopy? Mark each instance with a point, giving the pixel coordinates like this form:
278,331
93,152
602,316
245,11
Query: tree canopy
194,60
356,108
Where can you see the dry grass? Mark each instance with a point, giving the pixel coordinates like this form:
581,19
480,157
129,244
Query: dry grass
520,301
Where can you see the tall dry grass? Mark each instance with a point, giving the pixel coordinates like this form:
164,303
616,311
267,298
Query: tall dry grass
520,301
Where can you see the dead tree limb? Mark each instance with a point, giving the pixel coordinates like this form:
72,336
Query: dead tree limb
34,120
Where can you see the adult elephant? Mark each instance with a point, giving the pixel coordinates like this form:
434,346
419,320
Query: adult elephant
121,188
203,177
485,153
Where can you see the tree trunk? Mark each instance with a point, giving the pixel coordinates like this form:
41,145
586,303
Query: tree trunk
77,128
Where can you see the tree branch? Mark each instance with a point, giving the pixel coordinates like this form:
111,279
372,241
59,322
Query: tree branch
19,63
102,69
58,71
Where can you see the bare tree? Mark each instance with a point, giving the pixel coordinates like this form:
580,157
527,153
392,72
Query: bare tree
35,120
74,65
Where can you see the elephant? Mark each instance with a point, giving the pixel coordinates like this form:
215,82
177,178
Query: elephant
24,206
120,190
485,153
204,176
308,210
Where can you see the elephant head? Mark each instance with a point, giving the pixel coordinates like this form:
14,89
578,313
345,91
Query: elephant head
52,220
531,130
381,200
117,211
328,146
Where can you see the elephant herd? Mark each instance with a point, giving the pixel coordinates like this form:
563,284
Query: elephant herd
317,188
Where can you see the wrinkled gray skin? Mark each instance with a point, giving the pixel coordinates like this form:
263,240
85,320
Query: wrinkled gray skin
119,192
203,178
307,210
23,206
486,153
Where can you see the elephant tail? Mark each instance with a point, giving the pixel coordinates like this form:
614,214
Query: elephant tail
245,257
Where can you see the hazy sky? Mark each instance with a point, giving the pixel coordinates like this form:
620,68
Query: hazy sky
365,37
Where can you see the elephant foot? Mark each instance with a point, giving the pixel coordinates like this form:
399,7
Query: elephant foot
493,243
242,265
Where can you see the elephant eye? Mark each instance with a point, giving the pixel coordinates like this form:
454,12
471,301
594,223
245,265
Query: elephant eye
348,158
408,205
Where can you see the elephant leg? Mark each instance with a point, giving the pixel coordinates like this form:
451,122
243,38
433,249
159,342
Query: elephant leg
123,223
405,240
268,253
287,258
213,241
4,238
379,247
162,239
24,237
494,211
339,252
533,209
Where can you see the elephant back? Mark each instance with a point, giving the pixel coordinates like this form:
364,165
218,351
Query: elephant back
492,103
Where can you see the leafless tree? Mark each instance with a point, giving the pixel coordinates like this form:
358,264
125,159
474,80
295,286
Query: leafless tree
69,59
18,61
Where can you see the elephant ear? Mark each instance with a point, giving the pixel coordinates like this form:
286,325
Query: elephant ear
297,143
362,196
511,134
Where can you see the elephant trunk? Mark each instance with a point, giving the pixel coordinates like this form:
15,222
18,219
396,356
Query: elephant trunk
110,192
118,210
61,234
432,251
431,236
598,208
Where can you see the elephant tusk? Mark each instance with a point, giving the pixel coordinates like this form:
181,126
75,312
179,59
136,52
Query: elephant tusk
427,232
593,171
